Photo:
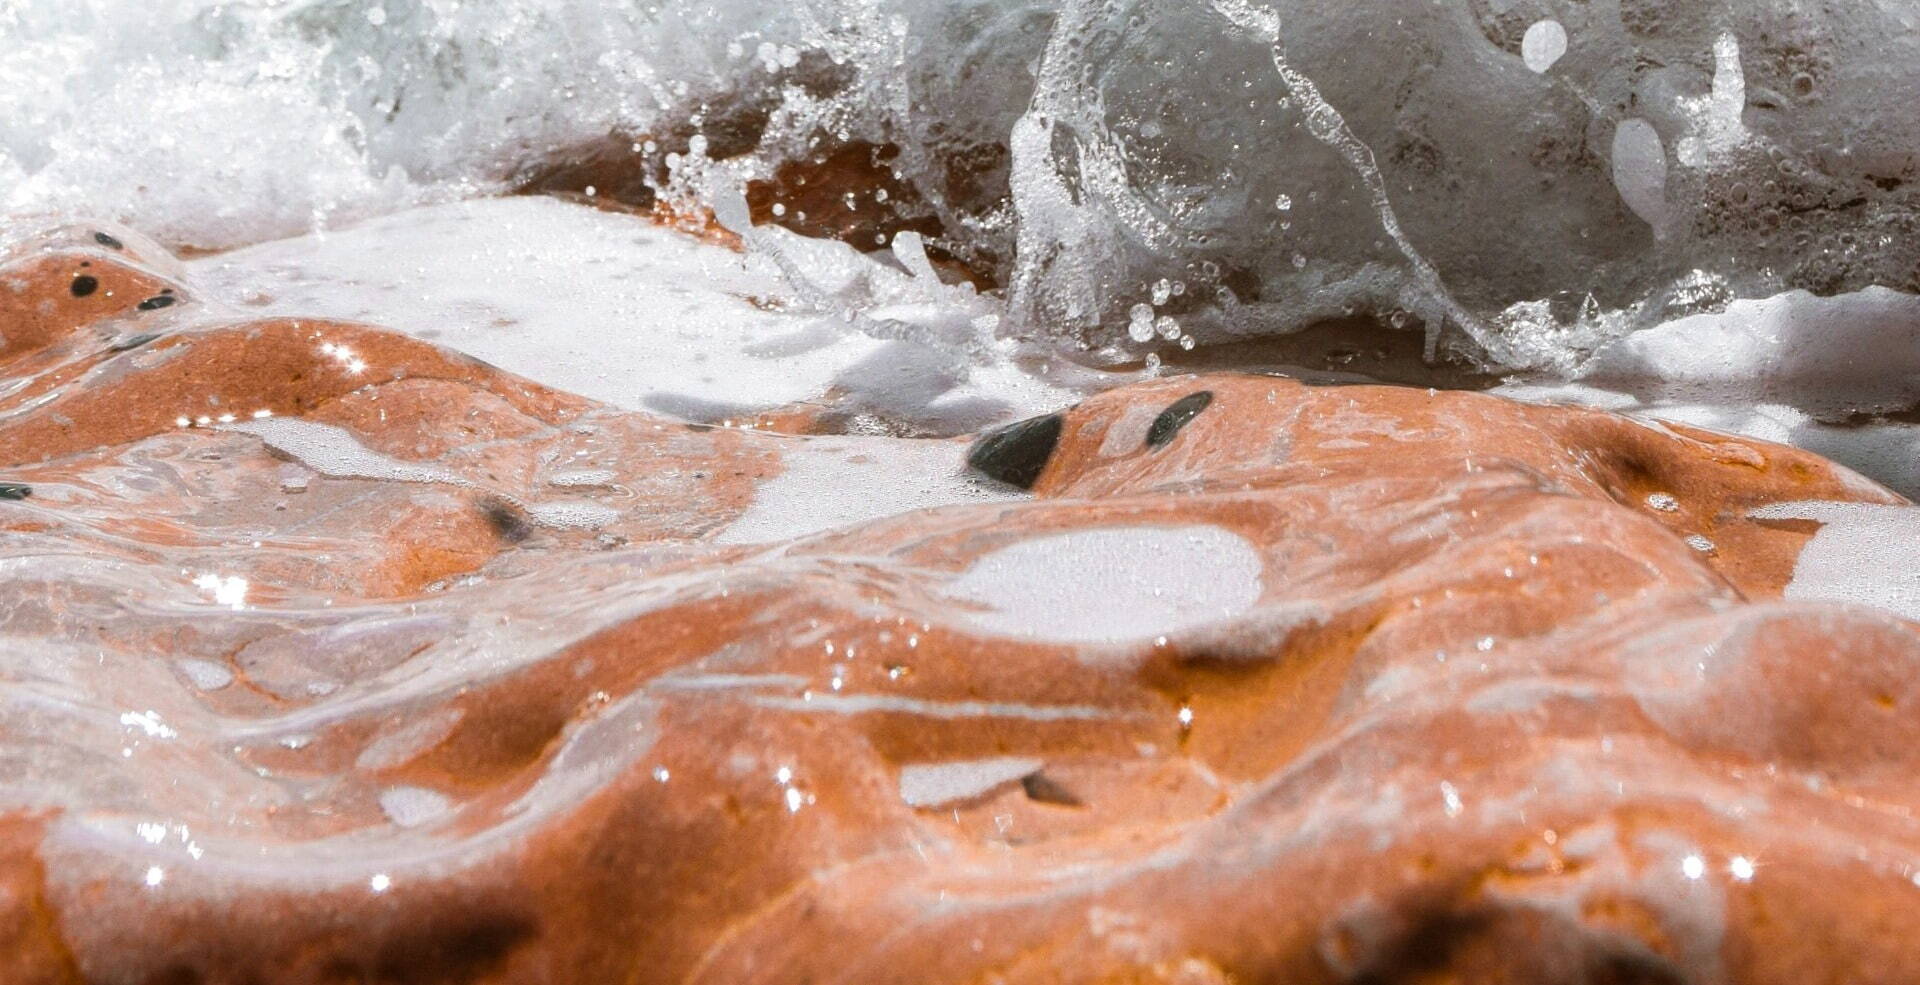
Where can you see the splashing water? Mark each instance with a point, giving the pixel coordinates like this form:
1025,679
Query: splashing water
1466,164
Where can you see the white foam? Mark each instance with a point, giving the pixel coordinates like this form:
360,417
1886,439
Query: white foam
939,784
411,807
604,305
622,310
1772,368
1111,583
1863,553
572,514
826,483
1838,353
334,451
893,704
396,747
205,674
176,116
582,477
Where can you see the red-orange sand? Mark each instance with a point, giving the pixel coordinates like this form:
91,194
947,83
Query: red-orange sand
1488,714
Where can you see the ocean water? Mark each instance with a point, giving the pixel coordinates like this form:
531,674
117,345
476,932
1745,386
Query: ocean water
1700,210
326,625
1522,180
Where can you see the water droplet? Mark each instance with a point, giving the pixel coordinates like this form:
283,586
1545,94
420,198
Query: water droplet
1543,44
1140,323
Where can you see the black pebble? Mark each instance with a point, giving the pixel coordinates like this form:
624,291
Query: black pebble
506,520
15,490
156,302
1015,454
1040,789
134,342
108,241
1176,417
84,285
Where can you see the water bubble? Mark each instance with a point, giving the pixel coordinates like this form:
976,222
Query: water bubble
1140,323
1544,43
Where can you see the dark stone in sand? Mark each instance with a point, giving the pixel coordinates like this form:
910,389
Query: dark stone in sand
1016,454
506,520
1176,417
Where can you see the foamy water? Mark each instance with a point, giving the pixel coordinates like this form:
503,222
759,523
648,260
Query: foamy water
1522,182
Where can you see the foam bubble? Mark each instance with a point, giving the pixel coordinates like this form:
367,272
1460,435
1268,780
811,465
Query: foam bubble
827,483
334,451
411,807
572,515
205,674
1862,553
1111,583
939,784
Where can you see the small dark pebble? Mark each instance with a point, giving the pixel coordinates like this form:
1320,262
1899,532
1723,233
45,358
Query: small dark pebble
156,302
15,490
1042,790
84,285
506,520
1176,417
108,241
133,341
1017,453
